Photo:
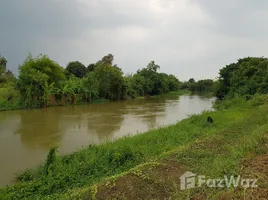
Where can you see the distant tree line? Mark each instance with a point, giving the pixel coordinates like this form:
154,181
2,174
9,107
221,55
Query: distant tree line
42,82
206,85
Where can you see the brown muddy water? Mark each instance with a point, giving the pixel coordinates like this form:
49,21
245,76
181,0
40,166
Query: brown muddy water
26,135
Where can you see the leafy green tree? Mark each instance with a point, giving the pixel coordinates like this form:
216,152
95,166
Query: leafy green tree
6,76
173,83
3,65
161,85
150,77
68,90
108,60
204,85
155,83
246,77
91,86
135,85
35,76
111,81
30,84
191,80
49,90
76,68
91,67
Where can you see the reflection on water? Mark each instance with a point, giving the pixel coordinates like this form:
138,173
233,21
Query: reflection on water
25,136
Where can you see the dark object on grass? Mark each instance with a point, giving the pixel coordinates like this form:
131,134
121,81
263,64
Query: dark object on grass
210,120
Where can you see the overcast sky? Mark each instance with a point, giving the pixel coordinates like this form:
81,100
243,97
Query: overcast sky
188,38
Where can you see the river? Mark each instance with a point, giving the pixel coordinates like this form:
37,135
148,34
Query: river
26,135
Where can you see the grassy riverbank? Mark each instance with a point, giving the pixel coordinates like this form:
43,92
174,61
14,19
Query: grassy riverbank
194,145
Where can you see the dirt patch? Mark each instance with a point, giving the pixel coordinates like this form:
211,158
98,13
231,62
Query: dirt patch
162,181
168,172
258,164
149,182
255,168
249,194
131,187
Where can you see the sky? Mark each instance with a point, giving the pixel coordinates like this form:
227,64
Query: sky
187,38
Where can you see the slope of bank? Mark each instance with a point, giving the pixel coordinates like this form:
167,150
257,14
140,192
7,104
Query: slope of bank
240,150
192,144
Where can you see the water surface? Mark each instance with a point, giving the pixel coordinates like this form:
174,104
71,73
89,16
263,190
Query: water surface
26,135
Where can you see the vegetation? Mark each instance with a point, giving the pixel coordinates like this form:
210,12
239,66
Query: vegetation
234,123
206,85
229,146
76,68
245,78
42,83
236,149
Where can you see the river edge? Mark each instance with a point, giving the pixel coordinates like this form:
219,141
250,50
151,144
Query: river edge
13,106
89,166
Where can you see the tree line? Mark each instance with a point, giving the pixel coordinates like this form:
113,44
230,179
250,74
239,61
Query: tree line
42,82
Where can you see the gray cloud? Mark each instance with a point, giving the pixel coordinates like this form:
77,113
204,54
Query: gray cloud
189,38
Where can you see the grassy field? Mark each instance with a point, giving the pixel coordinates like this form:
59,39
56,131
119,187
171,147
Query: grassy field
148,166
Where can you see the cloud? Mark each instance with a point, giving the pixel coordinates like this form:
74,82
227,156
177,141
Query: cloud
189,38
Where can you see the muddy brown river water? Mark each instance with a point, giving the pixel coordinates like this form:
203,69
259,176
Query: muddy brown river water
26,135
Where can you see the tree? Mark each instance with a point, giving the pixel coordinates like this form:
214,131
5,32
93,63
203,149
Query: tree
3,65
108,60
91,67
70,90
173,83
6,76
191,80
248,76
135,85
150,77
153,67
36,76
111,81
76,68
91,86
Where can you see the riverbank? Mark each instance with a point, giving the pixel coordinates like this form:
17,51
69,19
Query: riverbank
195,145
15,104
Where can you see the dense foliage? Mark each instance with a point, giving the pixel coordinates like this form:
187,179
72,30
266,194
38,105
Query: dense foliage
76,68
37,80
42,82
206,85
246,77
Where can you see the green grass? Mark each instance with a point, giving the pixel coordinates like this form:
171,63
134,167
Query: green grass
223,153
88,166
215,155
